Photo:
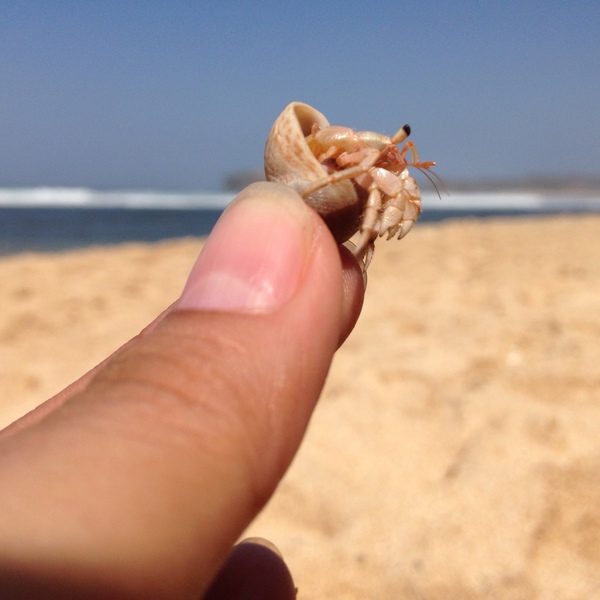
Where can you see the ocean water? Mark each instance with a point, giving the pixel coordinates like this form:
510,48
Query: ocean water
52,219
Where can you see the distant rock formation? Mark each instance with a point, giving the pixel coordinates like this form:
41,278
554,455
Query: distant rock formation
572,183
576,184
239,180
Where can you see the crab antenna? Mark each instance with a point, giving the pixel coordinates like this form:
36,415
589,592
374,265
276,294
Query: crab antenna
430,175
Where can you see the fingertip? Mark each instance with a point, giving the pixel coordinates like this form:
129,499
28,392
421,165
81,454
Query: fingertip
254,569
254,259
354,285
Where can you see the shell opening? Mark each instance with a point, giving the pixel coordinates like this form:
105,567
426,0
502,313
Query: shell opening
307,116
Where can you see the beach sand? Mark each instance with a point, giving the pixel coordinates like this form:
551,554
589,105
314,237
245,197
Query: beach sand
455,453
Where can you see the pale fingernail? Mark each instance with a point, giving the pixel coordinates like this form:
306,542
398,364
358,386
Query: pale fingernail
254,258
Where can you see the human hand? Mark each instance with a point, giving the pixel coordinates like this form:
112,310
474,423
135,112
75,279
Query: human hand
136,480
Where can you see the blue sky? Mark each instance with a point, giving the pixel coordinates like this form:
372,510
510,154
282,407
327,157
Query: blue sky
177,95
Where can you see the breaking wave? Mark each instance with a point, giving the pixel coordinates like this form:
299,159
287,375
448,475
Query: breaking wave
49,197
83,197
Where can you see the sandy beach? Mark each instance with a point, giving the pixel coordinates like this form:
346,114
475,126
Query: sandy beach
455,452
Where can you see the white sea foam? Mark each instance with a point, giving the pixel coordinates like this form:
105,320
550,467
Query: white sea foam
88,198
483,200
509,201
84,197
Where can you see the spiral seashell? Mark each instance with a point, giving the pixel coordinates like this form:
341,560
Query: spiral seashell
290,161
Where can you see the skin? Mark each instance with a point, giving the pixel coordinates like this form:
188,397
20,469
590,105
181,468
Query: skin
137,480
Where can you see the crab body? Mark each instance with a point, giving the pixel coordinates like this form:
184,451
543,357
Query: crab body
358,181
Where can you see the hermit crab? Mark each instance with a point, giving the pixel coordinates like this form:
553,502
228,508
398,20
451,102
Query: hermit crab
358,181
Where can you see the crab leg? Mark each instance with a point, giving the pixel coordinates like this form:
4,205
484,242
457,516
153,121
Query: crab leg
368,231
337,176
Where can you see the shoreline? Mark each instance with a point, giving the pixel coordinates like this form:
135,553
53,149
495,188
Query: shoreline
62,228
